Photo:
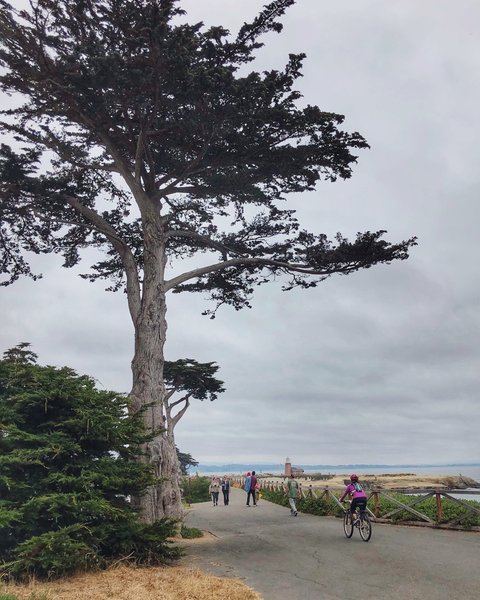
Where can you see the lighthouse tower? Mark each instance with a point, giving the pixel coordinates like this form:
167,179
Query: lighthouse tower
288,467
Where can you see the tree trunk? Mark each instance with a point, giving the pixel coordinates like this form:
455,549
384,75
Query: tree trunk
163,499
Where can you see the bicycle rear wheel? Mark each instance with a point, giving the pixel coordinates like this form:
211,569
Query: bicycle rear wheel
365,527
348,524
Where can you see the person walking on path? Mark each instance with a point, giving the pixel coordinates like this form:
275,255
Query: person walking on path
252,489
292,485
257,492
226,490
214,490
246,487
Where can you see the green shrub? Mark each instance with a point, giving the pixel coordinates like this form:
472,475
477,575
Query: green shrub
195,489
190,532
68,465
8,597
451,510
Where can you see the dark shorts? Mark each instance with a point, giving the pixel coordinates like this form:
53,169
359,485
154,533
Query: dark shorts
358,503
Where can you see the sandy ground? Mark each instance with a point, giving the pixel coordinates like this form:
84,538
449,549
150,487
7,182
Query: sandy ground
388,481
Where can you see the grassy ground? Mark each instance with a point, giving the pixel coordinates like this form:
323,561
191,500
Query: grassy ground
128,583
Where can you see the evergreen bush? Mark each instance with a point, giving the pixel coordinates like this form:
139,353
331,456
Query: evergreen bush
195,489
68,466
191,532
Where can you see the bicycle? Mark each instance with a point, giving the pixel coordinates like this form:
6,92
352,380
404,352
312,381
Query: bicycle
361,521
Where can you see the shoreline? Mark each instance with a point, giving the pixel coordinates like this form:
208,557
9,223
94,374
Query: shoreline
389,481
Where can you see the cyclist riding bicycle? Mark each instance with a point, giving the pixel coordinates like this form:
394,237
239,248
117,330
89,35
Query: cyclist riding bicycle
359,498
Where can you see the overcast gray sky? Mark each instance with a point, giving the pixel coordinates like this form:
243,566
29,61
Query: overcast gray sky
378,367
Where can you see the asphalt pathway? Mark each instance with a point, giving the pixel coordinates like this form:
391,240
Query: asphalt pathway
308,557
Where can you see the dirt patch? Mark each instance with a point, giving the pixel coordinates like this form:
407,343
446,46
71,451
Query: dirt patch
207,537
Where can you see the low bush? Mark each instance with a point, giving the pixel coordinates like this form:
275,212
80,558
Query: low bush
451,510
190,532
68,466
195,489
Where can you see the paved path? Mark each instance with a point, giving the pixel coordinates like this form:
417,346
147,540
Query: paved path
309,558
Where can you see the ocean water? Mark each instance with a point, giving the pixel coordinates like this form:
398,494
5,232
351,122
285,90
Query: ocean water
472,471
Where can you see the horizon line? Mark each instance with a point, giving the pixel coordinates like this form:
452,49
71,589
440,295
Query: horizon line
243,464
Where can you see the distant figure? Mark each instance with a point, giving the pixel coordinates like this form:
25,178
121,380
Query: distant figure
292,494
257,492
226,490
214,490
359,497
252,489
248,480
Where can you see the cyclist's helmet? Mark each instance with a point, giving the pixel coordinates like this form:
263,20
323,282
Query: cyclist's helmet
354,477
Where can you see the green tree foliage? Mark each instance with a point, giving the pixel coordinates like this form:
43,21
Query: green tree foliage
121,88
186,379
196,489
186,460
67,468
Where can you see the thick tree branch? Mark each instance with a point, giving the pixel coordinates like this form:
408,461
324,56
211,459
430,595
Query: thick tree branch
128,260
179,401
168,394
179,415
265,262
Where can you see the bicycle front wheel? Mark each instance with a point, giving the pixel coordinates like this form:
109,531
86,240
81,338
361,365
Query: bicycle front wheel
365,528
348,524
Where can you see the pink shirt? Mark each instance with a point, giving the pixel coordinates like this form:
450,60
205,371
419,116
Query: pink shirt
350,489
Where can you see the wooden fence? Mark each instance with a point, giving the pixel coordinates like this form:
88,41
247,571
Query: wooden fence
418,496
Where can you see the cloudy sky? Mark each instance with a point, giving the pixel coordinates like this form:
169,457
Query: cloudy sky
378,367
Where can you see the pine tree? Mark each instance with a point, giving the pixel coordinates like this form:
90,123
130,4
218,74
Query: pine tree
67,468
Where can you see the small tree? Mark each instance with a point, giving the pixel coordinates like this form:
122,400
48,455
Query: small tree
185,380
67,466
191,380
161,146
186,460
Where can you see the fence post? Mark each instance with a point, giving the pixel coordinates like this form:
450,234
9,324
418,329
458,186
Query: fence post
375,503
439,507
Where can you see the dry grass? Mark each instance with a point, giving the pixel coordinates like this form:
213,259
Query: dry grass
128,583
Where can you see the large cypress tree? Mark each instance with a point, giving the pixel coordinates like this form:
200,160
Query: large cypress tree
160,145
67,468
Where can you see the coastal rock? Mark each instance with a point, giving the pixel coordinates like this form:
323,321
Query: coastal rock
460,482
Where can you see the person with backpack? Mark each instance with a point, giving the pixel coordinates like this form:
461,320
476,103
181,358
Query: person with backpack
359,497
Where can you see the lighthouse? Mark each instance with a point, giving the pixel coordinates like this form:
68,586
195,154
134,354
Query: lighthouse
288,467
